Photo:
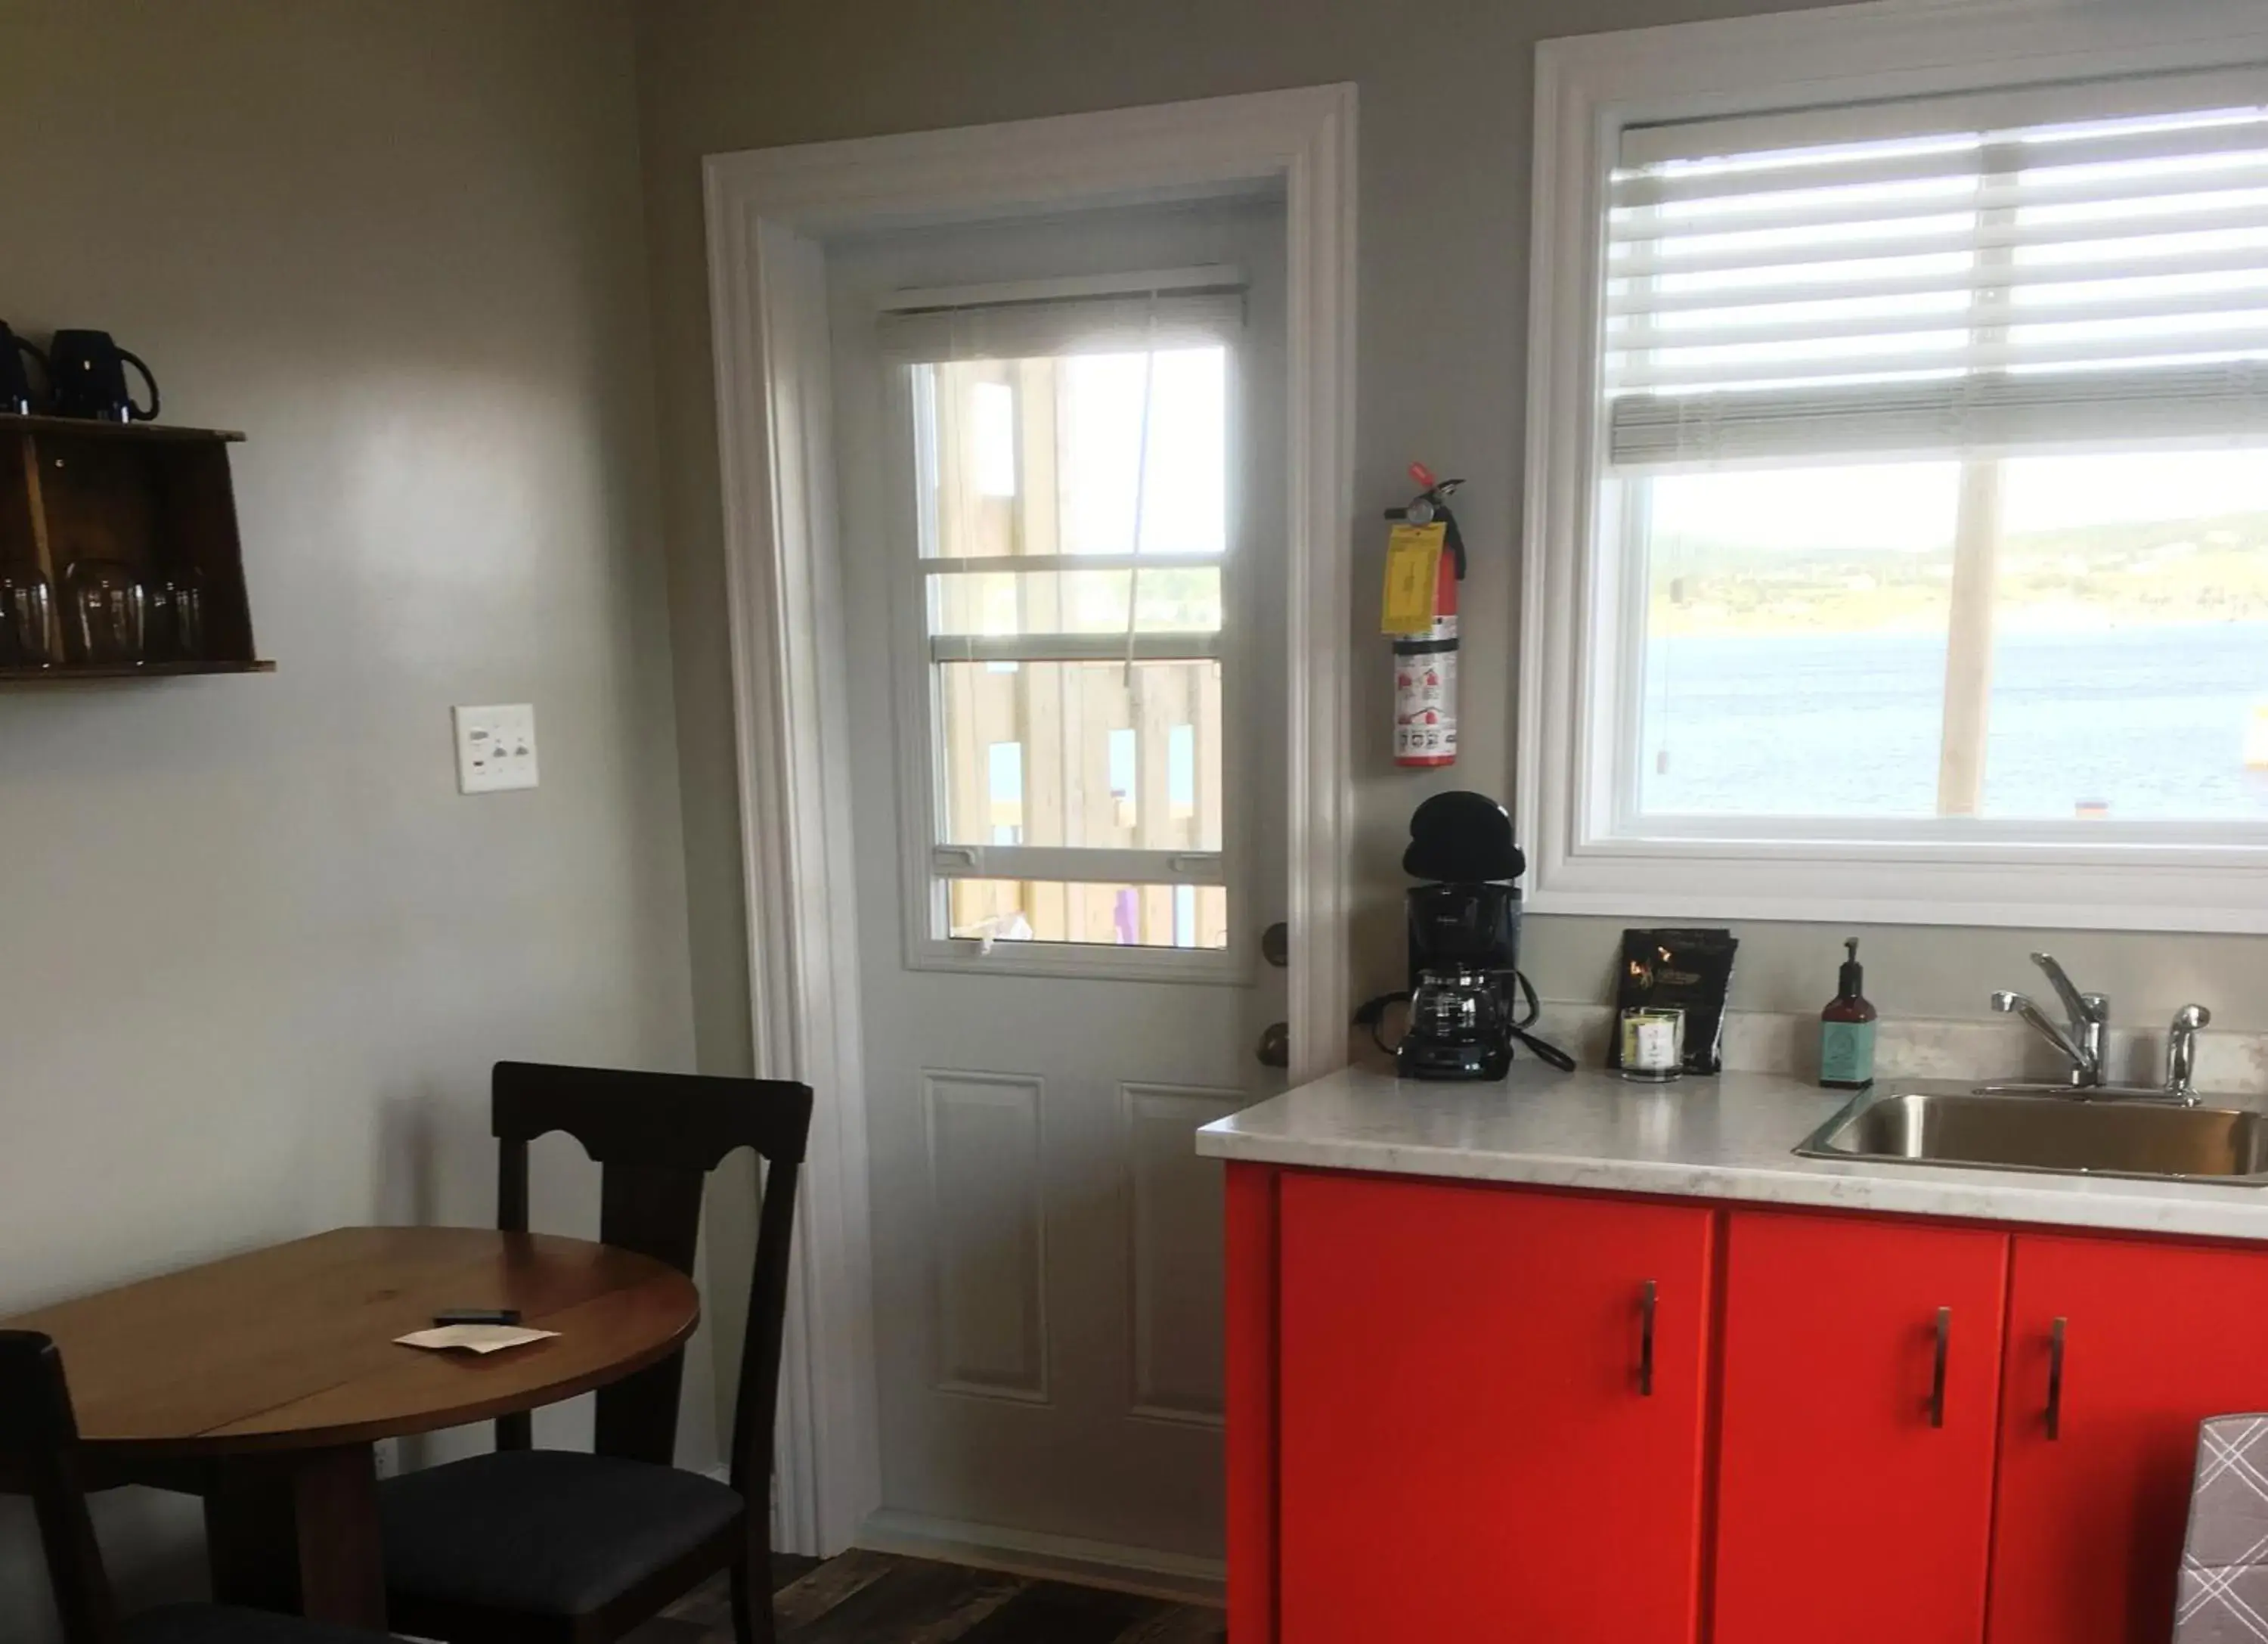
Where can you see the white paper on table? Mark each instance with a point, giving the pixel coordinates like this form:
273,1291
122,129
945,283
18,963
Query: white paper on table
472,1337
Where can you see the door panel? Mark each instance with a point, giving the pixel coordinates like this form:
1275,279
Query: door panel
1047,1242
1830,1467
991,1219
1174,1229
2088,1524
1467,1452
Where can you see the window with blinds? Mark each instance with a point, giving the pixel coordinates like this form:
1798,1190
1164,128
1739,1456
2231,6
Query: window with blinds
1934,456
1070,458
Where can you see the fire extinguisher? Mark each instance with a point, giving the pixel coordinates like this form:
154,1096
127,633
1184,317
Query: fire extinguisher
1426,651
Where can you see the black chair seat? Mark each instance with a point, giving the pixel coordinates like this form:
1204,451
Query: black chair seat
216,1624
544,1533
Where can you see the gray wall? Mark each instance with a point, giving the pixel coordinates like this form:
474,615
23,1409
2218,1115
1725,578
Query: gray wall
255,953
1445,124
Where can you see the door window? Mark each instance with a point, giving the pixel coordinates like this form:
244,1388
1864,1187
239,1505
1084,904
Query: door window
1070,565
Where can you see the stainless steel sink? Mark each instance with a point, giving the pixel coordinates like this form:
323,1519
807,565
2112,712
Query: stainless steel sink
2055,1133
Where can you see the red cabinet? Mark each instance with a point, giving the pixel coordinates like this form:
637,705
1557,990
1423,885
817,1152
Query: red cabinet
1861,1391
1470,1412
1490,1414
2116,1350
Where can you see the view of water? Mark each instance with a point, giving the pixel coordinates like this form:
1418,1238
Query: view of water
2150,720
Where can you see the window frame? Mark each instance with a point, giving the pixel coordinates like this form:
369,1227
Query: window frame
926,864
2181,877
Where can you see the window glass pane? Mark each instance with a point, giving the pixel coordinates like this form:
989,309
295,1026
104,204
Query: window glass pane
1172,599
1119,916
1183,460
1050,456
1005,791
1796,637
993,439
972,453
1794,640
2130,657
1097,760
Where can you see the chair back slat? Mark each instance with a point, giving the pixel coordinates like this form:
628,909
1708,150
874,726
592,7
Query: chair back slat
39,1445
655,1137
654,1209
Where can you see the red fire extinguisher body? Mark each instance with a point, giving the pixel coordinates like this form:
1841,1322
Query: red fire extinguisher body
1426,682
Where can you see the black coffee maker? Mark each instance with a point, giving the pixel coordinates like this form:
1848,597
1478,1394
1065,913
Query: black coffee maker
1468,1004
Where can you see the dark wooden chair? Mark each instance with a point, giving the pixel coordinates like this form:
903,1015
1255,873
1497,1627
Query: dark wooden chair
39,1451
528,1546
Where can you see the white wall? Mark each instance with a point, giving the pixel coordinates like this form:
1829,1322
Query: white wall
256,955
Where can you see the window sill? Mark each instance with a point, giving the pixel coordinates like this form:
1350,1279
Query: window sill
1816,883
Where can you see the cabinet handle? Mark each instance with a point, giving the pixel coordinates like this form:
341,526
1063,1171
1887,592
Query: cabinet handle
1937,1375
2055,1379
1645,1340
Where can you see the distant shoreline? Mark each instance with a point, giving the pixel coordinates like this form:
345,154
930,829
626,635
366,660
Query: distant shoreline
2063,620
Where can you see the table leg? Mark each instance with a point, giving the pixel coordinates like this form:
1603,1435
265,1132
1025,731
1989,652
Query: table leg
297,1532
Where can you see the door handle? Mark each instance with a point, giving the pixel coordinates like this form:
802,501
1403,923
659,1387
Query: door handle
1646,1309
1276,944
1275,1048
1937,1375
2055,1378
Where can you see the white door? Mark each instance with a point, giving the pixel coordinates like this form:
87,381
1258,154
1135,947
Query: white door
1063,494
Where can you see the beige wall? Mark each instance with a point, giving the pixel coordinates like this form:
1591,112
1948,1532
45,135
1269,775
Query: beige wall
256,955
1445,121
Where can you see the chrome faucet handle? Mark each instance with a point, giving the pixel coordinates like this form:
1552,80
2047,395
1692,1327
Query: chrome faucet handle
2085,1065
2081,1008
2181,1053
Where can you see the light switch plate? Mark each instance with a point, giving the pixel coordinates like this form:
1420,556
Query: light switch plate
496,747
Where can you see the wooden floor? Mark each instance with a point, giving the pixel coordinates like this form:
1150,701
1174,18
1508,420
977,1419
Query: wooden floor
879,1598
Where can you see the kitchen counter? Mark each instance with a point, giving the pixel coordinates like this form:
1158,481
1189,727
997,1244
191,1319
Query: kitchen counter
1731,1138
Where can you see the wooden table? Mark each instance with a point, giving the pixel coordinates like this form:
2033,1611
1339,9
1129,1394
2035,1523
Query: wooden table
262,1381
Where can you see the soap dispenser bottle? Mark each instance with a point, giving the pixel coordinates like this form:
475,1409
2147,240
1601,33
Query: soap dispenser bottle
1846,1029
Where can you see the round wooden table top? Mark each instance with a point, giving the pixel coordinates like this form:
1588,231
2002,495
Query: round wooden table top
293,1347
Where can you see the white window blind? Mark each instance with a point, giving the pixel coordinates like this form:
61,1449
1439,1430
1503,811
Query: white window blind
2051,269
1116,323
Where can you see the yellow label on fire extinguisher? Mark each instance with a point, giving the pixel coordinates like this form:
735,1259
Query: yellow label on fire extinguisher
1413,564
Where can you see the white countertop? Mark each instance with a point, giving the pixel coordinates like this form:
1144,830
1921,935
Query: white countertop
1731,1137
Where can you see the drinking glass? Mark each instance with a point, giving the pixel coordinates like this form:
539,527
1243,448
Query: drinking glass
27,619
106,612
177,618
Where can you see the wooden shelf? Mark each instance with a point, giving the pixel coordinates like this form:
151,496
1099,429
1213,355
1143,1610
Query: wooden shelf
68,672
141,502
158,433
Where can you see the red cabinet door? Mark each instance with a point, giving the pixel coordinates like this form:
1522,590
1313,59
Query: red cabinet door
1854,1486
1471,1446
2088,1522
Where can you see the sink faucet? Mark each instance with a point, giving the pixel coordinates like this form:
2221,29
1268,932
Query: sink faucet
2082,1042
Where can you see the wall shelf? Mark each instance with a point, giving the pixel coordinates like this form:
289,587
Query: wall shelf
154,497
66,673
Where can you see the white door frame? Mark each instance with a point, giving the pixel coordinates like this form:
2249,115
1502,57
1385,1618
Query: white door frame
768,214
